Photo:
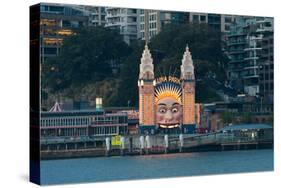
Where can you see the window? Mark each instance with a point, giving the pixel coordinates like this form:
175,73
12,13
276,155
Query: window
44,8
66,23
195,18
226,27
267,24
48,22
56,9
227,19
202,18
80,24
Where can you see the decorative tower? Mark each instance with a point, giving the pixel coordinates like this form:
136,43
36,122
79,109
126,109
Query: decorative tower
188,92
146,85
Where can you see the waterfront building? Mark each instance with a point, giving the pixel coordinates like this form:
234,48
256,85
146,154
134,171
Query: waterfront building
82,123
107,124
133,121
250,49
218,115
124,20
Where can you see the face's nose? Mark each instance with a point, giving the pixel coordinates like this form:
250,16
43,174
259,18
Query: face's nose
168,116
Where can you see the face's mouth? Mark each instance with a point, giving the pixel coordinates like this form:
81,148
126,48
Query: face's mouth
169,126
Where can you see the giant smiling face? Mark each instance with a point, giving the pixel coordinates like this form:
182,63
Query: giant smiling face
169,113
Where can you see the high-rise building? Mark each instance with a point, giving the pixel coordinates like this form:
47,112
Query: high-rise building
220,22
152,21
250,49
266,75
59,20
124,20
56,22
96,15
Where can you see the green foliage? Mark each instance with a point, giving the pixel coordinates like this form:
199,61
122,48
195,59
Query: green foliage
86,57
84,65
227,117
127,94
205,94
204,44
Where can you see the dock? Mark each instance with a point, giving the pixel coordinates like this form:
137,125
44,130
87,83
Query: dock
131,145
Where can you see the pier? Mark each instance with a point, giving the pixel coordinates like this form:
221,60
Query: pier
156,144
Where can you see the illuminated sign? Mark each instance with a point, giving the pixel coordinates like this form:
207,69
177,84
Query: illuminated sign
116,140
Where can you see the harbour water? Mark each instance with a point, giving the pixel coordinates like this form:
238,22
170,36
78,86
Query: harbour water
154,166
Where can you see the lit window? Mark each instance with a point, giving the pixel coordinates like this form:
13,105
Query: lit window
53,41
65,32
48,22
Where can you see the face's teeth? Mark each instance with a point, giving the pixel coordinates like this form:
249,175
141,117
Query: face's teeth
169,126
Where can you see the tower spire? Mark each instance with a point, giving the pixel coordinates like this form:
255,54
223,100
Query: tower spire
187,68
146,66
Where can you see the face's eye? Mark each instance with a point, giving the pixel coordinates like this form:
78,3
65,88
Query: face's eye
175,110
162,110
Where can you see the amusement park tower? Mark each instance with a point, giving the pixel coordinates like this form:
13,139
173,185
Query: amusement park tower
188,91
166,104
146,85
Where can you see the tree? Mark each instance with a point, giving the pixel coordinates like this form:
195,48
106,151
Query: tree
87,57
226,117
85,63
204,43
128,89
167,49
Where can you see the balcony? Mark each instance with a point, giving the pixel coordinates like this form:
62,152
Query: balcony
252,48
112,24
234,34
128,33
251,58
236,51
251,67
236,61
236,42
264,20
251,76
265,29
112,15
